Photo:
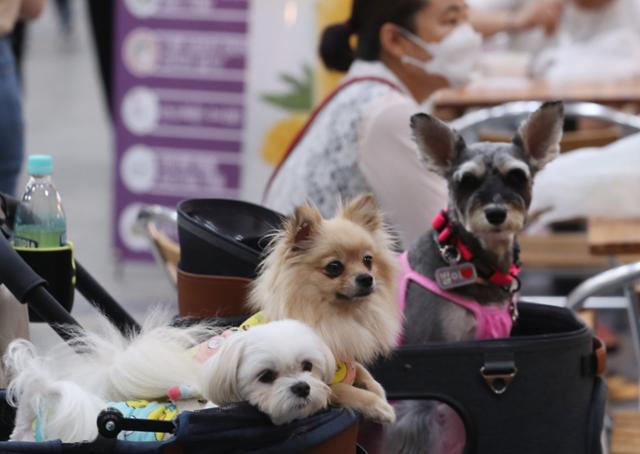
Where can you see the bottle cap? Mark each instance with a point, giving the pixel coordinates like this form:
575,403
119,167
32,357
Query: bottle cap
40,164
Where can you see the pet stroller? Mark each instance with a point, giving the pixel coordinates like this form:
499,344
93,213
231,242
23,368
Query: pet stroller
232,429
539,391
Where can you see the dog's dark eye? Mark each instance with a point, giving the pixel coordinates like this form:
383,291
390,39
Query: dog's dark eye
307,366
516,178
470,182
334,269
368,261
267,376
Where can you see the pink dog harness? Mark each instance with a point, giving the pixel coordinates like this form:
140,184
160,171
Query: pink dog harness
491,321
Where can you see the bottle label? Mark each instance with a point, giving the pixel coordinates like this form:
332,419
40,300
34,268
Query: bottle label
30,236
24,242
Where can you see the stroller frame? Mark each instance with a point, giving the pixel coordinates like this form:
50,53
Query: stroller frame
325,432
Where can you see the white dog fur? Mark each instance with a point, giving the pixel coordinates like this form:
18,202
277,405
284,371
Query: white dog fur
141,365
289,351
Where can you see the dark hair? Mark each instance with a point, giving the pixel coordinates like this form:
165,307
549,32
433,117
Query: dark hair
367,17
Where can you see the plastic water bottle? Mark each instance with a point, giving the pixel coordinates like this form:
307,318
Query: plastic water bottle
40,219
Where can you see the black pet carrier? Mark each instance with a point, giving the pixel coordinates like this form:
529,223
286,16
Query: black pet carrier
539,391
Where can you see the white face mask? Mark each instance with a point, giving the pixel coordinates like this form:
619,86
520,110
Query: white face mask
452,58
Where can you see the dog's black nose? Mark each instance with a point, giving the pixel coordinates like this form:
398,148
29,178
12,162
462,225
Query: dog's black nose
495,216
364,281
301,389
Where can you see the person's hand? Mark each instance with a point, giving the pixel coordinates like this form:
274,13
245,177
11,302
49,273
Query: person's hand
538,13
31,9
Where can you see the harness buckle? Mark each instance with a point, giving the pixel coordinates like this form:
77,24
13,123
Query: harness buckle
450,254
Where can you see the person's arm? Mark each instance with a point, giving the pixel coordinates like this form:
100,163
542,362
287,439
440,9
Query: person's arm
31,9
533,13
9,11
408,193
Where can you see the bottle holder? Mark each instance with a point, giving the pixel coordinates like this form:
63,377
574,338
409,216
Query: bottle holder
57,266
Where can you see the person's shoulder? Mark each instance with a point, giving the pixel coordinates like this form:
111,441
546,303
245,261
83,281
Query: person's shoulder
370,86
392,111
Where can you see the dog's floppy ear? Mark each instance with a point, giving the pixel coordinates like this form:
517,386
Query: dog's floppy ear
329,362
438,144
539,136
219,374
302,225
363,211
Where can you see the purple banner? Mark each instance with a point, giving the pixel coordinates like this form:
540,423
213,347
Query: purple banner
179,103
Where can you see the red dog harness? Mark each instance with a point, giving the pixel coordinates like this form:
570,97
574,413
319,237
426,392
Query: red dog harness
444,228
492,321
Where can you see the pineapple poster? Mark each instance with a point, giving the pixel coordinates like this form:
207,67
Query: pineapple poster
286,79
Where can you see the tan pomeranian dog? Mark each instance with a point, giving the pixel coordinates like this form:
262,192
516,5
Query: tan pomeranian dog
338,276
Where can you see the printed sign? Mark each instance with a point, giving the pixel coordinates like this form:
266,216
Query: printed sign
179,103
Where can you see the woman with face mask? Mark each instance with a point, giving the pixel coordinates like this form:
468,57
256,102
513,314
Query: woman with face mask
397,54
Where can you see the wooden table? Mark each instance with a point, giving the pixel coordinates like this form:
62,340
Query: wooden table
491,93
613,237
626,433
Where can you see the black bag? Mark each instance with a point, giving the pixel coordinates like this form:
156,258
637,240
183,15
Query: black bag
223,237
539,391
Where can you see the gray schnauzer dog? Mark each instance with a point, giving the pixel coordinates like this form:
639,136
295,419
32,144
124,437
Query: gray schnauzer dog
459,280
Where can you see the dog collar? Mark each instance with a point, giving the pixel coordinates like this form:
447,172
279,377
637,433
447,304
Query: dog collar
448,237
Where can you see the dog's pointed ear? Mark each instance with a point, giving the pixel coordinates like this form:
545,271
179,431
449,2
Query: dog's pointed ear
438,144
219,374
303,225
539,136
363,211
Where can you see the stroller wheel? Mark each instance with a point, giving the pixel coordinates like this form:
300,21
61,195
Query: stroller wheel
110,423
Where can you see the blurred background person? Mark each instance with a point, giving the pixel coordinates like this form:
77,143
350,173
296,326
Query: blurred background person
102,18
586,19
360,140
526,24
14,317
65,15
11,117
515,16
551,20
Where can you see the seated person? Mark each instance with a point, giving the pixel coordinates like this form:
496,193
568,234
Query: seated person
589,35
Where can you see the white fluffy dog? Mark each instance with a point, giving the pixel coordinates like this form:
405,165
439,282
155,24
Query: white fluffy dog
283,368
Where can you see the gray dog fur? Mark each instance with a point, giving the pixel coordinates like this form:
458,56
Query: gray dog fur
480,177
